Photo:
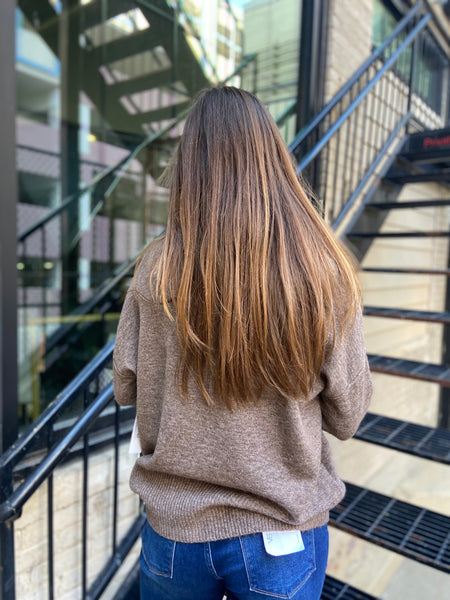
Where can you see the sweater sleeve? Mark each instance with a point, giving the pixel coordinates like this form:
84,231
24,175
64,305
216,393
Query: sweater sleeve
126,351
347,388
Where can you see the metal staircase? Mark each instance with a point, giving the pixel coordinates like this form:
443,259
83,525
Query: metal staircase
156,58
347,191
141,80
358,217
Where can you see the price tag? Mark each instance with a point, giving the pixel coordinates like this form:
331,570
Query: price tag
279,543
135,445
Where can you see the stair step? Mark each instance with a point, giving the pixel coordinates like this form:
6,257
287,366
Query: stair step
333,589
441,175
399,234
419,440
97,12
162,113
412,315
148,81
130,45
409,204
389,365
410,530
445,272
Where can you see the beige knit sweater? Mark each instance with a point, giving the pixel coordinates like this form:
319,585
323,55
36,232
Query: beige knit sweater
206,473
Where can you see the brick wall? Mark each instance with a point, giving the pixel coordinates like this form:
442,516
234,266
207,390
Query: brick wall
349,41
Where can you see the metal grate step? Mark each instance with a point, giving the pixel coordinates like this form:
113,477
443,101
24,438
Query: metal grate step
409,368
425,442
413,315
399,234
437,176
408,204
412,531
334,589
445,272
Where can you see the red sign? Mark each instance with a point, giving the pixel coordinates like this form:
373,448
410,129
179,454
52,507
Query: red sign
437,142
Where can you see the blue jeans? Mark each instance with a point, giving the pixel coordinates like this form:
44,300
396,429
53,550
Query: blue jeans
239,567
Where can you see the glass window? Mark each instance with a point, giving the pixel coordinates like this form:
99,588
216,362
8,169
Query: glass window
100,101
427,81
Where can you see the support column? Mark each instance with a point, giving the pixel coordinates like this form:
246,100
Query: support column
70,56
444,399
312,63
311,77
8,243
8,280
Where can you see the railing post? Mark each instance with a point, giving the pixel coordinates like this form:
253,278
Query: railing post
7,574
412,73
255,75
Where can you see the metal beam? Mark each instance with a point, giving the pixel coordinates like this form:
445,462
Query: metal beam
8,281
312,63
8,201
71,66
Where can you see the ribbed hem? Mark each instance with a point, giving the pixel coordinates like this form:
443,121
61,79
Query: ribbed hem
225,524
190,511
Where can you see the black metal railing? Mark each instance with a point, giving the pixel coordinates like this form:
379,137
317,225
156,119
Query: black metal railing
339,153
83,423
345,145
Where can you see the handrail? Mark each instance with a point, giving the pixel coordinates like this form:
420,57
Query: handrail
107,573
100,177
69,394
246,60
92,303
337,124
300,137
12,506
437,22
286,113
403,121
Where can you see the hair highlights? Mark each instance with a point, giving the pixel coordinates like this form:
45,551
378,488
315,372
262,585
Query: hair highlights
260,287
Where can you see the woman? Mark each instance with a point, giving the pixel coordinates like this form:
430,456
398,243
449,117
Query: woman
240,341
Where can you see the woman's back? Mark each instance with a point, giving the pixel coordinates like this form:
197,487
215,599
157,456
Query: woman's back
240,342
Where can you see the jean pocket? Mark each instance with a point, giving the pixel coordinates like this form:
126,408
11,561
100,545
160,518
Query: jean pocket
157,552
277,576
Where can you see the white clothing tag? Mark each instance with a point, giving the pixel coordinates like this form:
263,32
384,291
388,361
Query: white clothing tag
279,543
135,444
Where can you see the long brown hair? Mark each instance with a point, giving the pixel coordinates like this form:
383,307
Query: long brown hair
258,286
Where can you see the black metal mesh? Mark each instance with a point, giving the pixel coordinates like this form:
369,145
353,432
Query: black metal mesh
411,438
410,368
410,530
334,589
